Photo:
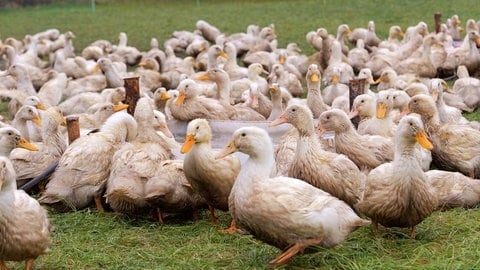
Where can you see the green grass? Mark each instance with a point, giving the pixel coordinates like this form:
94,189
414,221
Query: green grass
88,240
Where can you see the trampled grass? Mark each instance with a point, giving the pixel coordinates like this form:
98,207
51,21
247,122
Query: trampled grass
89,240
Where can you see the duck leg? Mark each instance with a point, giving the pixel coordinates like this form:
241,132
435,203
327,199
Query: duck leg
29,265
160,216
232,228
213,218
412,234
472,174
98,203
296,248
375,227
3,266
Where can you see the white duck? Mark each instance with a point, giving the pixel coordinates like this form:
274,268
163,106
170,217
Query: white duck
285,212
24,224
84,167
397,194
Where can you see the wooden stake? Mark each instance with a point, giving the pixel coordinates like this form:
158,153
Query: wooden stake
132,93
438,21
357,87
73,128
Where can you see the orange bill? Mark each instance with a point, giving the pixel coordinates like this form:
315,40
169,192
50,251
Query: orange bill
23,143
381,110
335,79
223,54
280,120
119,107
314,78
353,113
227,150
187,145
180,98
165,96
165,130
203,77
41,106
422,139
36,119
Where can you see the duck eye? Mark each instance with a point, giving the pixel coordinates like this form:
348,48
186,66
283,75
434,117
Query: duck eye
10,133
244,134
293,110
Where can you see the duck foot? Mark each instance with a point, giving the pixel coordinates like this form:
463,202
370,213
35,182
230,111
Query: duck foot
29,264
98,204
412,234
231,229
3,266
213,218
296,248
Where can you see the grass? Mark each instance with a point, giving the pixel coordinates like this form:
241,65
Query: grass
89,240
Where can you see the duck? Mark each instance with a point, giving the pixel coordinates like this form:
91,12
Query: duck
21,119
331,172
160,97
335,88
231,66
211,178
390,79
456,146
224,88
259,202
277,105
75,182
382,124
392,42
314,95
258,101
466,87
446,113
397,194
24,223
113,74
170,192
81,102
358,56
97,114
364,107
421,66
51,92
367,151
254,72
208,31
286,79
454,190
29,164
368,35
135,162
344,70
10,138
129,54
189,105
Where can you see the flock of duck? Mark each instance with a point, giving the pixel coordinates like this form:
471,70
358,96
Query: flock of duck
391,155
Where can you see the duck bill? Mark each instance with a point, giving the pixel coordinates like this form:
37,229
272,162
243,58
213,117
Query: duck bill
422,139
165,130
379,80
187,145
223,54
381,110
477,41
119,107
314,78
41,106
281,59
203,77
227,150
254,101
37,120
165,96
273,88
280,120
434,95
202,48
95,69
353,113
142,64
335,79
180,98
64,122
320,129
23,143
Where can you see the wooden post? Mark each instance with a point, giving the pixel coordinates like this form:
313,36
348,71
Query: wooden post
132,93
73,128
438,21
357,87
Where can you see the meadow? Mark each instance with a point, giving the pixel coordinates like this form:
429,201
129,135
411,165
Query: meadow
89,240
